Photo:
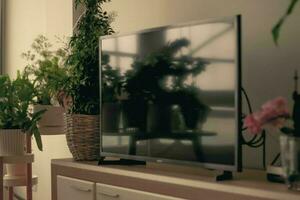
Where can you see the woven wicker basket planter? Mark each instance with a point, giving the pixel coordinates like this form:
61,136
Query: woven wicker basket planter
83,136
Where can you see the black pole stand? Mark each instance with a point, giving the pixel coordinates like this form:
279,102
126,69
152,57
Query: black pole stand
296,109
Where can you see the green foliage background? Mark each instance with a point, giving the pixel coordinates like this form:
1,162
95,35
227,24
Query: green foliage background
83,84
45,68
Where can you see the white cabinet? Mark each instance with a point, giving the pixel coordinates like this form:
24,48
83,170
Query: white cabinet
74,189
109,192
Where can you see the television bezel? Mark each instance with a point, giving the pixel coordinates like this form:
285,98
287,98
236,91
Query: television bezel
238,105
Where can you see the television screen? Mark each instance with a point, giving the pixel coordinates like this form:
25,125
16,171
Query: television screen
172,94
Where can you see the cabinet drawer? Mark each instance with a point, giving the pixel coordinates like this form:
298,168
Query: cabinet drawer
109,192
74,189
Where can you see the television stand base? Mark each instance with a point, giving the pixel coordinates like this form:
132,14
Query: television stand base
227,175
121,161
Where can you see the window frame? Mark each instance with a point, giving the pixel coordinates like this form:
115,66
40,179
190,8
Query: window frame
2,36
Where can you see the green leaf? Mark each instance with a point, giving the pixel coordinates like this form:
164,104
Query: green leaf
277,28
291,7
38,138
287,130
38,115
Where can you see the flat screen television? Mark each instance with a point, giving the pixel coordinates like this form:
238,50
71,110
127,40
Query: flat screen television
172,94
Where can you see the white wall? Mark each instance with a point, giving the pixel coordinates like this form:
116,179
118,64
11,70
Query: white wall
24,21
59,18
267,70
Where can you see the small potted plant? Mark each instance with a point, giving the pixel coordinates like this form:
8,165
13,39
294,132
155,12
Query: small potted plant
16,120
275,114
45,68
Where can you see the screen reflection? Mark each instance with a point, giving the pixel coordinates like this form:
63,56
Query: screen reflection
170,93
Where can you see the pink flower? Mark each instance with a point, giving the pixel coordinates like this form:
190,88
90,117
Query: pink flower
278,103
252,124
273,112
276,108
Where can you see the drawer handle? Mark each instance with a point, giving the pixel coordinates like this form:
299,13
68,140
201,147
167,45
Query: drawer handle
110,195
81,189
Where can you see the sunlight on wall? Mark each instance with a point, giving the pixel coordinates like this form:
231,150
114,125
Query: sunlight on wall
24,21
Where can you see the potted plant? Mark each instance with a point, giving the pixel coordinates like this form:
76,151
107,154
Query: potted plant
82,119
46,71
275,113
16,120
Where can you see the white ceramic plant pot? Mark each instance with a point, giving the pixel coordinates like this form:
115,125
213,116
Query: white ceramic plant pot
12,143
52,121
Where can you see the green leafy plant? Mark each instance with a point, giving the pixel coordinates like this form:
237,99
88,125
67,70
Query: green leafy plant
277,28
15,98
46,70
83,61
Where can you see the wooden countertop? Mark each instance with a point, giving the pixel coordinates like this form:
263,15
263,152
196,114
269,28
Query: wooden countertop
250,183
